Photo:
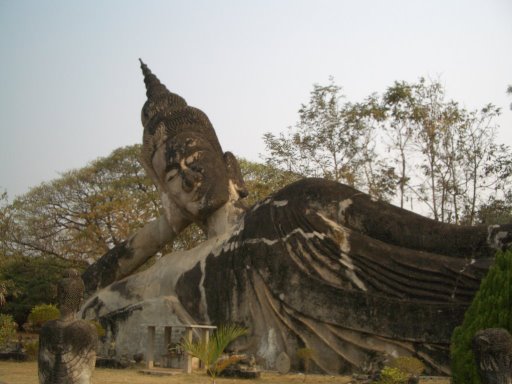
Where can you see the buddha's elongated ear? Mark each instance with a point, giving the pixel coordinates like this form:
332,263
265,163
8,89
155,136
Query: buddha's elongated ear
235,174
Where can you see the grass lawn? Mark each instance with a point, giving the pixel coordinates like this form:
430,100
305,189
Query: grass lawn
26,373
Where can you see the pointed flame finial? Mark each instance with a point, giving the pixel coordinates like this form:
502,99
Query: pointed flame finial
154,88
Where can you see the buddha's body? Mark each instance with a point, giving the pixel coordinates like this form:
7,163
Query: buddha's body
317,265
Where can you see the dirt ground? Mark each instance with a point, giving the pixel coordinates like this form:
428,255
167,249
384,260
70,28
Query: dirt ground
26,373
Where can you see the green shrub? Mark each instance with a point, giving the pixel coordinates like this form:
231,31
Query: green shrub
390,375
99,329
7,329
408,364
40,314
32,349
490,309
34,280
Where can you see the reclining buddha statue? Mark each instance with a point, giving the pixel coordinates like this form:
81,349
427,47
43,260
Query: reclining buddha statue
317,264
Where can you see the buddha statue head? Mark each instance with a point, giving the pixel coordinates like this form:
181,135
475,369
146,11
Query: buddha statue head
182,155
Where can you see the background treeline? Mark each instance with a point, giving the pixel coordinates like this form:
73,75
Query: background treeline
408,145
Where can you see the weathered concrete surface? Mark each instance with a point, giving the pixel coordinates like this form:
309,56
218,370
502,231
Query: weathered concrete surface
124,259
312,276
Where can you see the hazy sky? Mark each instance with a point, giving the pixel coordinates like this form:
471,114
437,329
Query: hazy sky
71,89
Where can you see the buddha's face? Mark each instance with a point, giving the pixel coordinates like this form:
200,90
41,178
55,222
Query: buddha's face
191,176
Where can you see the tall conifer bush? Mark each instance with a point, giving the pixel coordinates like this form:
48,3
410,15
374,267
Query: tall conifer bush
491,308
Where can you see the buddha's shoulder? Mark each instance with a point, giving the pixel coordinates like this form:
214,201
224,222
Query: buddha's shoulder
307,193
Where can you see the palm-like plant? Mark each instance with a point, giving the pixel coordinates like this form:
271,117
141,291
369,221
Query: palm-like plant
209,351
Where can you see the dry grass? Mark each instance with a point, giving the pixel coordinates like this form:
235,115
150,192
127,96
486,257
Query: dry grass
26,373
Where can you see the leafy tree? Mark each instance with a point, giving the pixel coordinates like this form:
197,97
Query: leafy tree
85,212
335,140
4,222
434,118
7,288
210,351
373,173
325,143
35,280
483,166
456,150
496,211
262,179
7,329
3,293
410,140
400,105
490,309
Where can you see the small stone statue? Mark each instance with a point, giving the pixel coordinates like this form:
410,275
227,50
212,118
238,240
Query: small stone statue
493,354
67,346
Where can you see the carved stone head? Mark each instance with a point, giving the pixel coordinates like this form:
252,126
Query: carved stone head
182,154
70,291
492,348
67,346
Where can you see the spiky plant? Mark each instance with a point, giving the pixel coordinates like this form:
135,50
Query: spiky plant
209,351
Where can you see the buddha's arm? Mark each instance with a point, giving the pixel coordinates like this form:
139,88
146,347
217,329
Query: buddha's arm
125,258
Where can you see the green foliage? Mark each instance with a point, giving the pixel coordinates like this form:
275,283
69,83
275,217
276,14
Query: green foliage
85,212
7,329
32,349
334,140
496,211
408,364
40,314
410,140
390,375
490,309
263,179
7,288
210,351
99,328
35,280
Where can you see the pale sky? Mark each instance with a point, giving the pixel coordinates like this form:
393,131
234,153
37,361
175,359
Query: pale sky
71,89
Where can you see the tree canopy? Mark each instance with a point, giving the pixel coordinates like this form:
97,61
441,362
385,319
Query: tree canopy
82,214
409,145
